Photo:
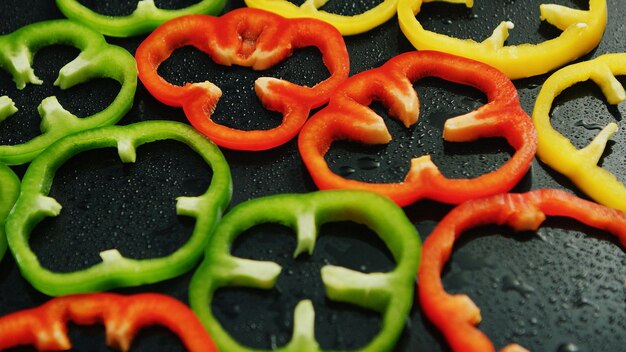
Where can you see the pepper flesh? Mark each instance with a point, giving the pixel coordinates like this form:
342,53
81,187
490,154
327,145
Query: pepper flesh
96,60
9,190
145,18
347,116
389,293
581,32
45,327
580,165
347,25
456,315
115,270
245,37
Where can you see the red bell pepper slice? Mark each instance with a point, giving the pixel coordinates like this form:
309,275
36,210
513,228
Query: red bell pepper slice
245,37
45,327
347,116
456,315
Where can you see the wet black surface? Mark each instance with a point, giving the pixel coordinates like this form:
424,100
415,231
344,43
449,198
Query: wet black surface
560,289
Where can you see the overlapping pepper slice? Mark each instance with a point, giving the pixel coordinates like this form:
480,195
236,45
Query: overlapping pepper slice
581,32
456,315
388,293
348,116
115,270
96,60
146,17
580,165
347,25
9,190
246,37
45,327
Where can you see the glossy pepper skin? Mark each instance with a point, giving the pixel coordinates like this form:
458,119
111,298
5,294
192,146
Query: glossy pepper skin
145,18
347,25
45,327
115,270
456,315
581,32
348,117
96,60
9,190
389,293
581,165
245,37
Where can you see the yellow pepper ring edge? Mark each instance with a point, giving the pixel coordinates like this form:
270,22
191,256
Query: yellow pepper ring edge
558,152
347,25
582,31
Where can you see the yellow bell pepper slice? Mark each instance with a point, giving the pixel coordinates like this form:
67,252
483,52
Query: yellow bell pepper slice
347,25
580,165
582,31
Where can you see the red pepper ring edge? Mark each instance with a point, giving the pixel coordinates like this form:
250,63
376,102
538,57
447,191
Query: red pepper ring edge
45,327
242,37
456,315
392,85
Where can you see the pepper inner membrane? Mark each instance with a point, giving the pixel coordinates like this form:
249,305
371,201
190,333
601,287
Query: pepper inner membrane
264,318
581,111
82,100
458,21
569,292
389,163
126,7
239,107
130,207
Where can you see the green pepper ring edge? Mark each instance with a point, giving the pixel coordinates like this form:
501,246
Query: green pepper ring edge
136,23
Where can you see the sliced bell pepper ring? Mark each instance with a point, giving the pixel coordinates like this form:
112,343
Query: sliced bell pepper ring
456,315
347,116
96,60
146,17
115,270
246,37
582,31
580,165
347,25
389,293
45,327
9,190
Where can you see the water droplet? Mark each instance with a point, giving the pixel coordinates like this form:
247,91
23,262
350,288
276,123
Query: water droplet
588,125
368,163
516,284
568,347
346,171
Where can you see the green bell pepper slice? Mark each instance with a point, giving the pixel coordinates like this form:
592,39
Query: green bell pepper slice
389,293
115,270
97,59
145,18
9,190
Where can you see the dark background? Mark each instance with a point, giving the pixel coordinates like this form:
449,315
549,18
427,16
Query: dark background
559,289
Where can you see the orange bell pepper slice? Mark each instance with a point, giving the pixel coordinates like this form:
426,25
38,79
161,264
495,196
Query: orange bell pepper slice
347,116
45,328
456,316
245,37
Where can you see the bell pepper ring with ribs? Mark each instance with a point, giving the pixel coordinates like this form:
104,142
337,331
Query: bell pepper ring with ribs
456,315
348,117
45,327
582,30
251,38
